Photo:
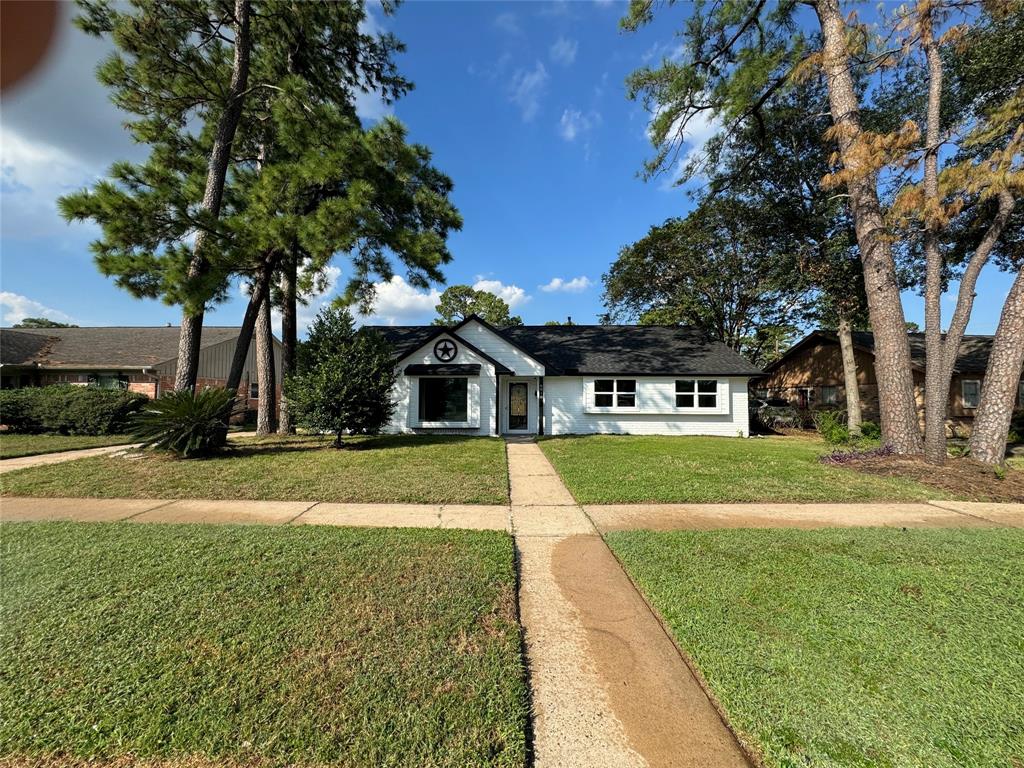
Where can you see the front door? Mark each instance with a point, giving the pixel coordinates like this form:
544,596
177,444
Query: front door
518,406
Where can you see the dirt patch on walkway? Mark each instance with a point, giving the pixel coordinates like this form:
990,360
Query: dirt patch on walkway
665,712
959,477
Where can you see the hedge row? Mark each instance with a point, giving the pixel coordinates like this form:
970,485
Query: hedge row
69,410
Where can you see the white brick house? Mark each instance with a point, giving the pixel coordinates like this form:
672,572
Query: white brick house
473,378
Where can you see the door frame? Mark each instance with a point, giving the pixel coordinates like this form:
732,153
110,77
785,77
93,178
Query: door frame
506,416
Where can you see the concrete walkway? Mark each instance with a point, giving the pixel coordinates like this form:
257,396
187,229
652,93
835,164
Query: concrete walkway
609,686
23,462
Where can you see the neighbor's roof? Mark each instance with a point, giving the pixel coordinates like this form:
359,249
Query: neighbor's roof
102,348
972,357
640,350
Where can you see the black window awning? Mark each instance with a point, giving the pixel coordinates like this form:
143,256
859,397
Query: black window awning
442,370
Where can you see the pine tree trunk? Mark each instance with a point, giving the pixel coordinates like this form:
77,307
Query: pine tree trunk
936,376
260,288
892,350
267,403
853,413
216,172
188,351
1002,378
289,334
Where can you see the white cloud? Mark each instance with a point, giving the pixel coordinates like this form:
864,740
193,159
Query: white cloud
526,89
33,174
564,50
574,123
399,303
575,285
513,295
508,22
16,308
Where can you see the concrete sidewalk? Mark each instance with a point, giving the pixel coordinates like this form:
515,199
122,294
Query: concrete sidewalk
42,459
220,512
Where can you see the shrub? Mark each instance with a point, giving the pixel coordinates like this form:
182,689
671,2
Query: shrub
189,424
778,417
16,410
870,430
344,378
832,427
839,458
69,410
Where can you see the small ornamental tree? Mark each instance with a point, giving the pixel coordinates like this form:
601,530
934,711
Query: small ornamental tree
344,379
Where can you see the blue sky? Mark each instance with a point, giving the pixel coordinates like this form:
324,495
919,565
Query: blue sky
523,104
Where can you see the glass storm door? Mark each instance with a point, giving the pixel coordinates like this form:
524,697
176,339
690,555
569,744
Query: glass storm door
517,406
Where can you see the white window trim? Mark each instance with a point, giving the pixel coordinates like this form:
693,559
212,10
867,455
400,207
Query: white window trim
721,396
963,396
591,392
472,405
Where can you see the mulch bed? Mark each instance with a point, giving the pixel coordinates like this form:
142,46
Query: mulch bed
959,477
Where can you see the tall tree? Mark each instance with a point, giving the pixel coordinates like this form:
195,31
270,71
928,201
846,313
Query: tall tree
203,76
775,164
719,268
460,301
738,54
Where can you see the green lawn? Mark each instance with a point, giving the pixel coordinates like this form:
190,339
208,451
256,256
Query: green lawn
12,446
862,647
604,469
410,468
260,646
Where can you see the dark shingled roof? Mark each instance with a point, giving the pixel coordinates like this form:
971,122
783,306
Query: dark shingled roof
568,350
972,356
17,346
109,347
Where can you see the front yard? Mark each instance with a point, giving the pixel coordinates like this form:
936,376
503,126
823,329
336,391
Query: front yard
259,646
409,469
15,445
866,647
606,469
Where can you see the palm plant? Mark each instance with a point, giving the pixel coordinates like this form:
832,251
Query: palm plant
189,424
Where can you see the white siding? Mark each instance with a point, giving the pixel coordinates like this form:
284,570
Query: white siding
566,410
491,344
481,392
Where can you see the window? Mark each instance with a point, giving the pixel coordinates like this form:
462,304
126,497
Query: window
444,399
829,395
254,391
970,390
615,393
696,393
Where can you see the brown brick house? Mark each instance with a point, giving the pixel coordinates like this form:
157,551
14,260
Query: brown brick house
140,359
810,376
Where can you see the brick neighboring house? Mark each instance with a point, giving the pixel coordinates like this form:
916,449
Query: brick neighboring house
810,376
139,359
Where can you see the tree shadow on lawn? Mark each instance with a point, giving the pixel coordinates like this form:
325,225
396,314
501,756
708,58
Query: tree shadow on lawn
274,444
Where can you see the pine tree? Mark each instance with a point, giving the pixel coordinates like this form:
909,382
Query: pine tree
738,55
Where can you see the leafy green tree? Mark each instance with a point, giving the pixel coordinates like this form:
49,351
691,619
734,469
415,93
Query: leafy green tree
737,55
344,380
204,77
719,269
41,322
460,301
